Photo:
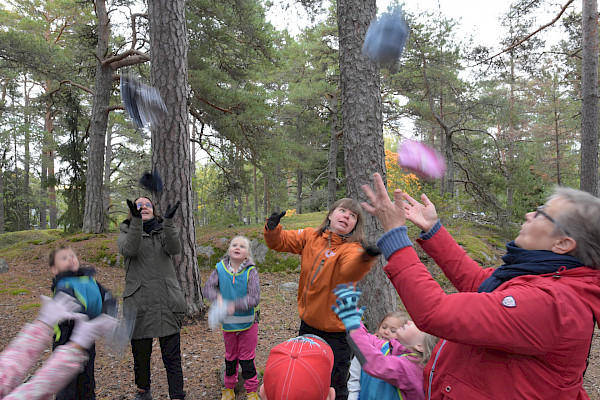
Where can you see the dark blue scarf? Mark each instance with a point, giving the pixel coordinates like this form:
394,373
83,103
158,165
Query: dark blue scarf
518,261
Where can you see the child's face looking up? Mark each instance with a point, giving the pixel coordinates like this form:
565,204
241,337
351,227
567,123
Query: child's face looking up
410,336
389,326
65,260
238,250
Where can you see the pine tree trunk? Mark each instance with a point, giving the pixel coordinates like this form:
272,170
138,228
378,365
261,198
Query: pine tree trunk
332,155
94,218
170,137
363,137
589,104
106,183
27,156
299,177
2,164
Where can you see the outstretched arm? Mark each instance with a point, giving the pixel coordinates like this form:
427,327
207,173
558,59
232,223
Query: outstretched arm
64,364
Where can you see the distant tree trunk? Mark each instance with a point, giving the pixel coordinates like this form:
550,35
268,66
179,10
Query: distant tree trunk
52,187
27,154
106,184
43,189
589,104
363,137
94,218
2,165
266,200
194,176
170,137
299,177
332,156
255,195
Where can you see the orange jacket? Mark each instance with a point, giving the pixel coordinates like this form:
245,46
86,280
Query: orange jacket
327,260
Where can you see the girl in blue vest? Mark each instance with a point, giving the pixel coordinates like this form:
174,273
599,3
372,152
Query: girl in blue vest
391,369
234,282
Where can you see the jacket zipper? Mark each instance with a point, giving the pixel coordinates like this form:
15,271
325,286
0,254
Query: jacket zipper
433,369
314,276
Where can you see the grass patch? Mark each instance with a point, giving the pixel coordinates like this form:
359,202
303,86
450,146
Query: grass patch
26,307
32,237
19,291
279,262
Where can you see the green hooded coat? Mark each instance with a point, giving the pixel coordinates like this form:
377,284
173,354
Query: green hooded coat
152,292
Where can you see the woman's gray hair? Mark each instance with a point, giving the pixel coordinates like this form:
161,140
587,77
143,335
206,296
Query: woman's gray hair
580,221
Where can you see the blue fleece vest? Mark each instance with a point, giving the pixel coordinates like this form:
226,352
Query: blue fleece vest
376,389
86,291
234,286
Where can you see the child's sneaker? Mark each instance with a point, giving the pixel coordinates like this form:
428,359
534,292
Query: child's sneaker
147,395
252,396
227,394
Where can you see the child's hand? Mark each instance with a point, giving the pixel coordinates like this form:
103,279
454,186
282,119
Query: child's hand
87,331
348,293
346,309
60,308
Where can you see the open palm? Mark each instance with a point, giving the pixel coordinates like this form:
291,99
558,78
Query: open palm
423,215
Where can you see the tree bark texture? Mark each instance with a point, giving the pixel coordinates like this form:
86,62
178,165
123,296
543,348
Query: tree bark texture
363,137
589,104
94,218
332,155
170,137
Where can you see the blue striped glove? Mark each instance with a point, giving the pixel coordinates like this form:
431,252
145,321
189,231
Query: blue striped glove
346,306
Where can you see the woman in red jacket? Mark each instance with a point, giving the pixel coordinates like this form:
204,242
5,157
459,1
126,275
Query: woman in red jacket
332,254
521,331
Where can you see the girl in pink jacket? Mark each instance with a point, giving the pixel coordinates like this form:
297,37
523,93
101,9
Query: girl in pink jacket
391,369
67,361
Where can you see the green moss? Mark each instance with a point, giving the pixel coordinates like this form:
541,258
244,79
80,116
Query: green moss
32,237
26,307
19,291
279,262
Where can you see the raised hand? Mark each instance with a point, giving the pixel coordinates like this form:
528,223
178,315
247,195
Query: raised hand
134,210
346,305
423,215
60,308
87,331
381,207
273,220
170,213
372,250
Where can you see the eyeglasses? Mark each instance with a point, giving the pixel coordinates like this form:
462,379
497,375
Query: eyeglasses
540,211
140,205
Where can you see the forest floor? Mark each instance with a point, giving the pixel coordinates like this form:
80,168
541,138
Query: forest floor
202,349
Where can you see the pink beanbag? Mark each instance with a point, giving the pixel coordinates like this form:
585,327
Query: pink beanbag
421,159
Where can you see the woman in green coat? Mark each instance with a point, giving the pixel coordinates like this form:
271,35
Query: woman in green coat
152,294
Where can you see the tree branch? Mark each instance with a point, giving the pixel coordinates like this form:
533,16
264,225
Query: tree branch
541,28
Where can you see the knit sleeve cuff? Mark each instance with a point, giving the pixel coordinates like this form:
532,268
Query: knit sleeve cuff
429,234
394,240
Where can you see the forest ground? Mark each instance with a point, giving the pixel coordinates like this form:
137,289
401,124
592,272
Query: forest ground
202,349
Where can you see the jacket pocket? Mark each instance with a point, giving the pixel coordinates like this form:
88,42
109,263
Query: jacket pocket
177,302
133,297
457,389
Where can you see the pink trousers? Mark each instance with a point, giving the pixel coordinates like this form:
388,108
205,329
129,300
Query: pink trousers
241,346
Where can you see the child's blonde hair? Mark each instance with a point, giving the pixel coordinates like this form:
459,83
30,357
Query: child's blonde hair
244,238
394,314
428,346
429,341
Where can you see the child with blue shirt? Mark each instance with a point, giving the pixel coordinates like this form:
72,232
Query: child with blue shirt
80,284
